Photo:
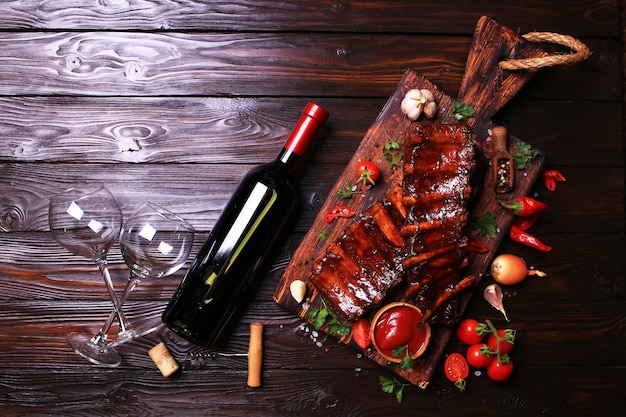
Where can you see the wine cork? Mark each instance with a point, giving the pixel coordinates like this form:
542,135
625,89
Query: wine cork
255,355
163,359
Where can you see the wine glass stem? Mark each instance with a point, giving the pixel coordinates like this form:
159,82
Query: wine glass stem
125,326
117,305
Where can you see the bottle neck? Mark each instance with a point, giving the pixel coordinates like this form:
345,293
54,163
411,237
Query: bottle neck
303,133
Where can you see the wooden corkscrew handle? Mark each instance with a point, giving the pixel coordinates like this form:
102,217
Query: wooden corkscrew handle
255,355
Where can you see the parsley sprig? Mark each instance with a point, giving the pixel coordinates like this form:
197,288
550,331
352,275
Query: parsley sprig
319,316
523,154
391,151
459,110
348,191
407,362
391,386
486,224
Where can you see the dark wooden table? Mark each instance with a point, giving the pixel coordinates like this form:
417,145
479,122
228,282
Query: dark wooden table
172,102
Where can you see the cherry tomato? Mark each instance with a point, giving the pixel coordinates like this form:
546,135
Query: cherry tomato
368,173
478,355
507,341
469,331
500,371
361,333
456,369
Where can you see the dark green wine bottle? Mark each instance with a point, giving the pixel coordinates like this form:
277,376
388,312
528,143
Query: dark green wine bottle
220,278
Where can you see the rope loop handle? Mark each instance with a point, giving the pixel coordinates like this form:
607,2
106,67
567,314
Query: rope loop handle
580,52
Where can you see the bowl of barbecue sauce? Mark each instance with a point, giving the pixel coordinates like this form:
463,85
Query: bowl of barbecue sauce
397,330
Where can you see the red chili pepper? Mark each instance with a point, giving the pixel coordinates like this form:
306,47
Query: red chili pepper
520,236
339,211
551,177
524,223
525,206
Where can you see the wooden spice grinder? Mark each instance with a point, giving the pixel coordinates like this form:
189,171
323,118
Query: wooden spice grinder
502,162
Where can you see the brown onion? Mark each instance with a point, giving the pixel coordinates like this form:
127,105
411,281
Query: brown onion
510,269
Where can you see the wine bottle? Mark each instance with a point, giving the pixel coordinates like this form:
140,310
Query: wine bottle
219,280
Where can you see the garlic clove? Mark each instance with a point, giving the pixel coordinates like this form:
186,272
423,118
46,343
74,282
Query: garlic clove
409,107
430,109
427,95
493,295
298,290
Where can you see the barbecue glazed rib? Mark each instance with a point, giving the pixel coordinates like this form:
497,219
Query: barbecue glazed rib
415,235
359,268
440,165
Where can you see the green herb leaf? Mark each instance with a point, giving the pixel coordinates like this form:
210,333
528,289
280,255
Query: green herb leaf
399,351
523,154
391,151
391,386
387,384
320,315
347,191
406,362
461,110
400,395
485,224
323,235
335,326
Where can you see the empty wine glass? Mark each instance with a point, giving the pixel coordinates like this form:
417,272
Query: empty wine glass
86,219
154,243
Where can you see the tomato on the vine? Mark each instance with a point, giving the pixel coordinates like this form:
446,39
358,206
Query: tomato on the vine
456,369
361,333
470,331
368,173
479,355
500,370
507,341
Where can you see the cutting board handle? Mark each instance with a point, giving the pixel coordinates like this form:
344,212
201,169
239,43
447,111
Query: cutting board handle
485,85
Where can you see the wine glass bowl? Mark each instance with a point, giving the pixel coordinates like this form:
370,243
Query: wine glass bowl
85,219
154,243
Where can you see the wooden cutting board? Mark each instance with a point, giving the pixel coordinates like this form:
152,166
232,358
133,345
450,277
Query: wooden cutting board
486,88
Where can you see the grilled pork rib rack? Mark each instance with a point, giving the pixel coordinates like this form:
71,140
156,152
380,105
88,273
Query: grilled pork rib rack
415,236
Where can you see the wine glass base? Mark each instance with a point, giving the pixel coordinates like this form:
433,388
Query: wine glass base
133,334
99,355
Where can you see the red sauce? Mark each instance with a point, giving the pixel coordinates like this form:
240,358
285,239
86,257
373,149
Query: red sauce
398,326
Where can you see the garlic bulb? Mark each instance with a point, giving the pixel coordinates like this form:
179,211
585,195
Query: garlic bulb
418,101
493,295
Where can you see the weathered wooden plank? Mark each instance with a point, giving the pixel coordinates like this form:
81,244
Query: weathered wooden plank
346,393
166,130
580,17
252,130
130,63
174,64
